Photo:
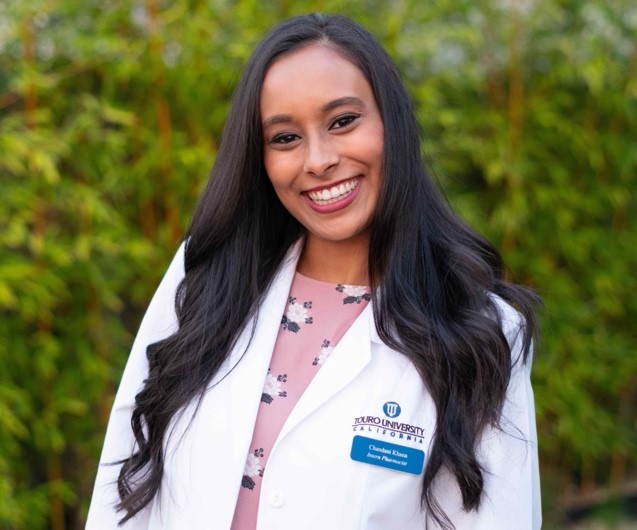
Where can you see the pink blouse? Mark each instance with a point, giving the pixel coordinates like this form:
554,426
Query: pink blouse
317,316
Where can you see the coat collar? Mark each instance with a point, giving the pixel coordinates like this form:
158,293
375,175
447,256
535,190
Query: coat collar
349,358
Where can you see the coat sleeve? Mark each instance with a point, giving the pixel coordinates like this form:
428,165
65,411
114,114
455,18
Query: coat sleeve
159,322
511,497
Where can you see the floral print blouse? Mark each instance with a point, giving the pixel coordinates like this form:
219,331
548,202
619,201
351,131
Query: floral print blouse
317,316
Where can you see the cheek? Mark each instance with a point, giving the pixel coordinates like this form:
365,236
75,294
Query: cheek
267,163
370,147
279,169
379,144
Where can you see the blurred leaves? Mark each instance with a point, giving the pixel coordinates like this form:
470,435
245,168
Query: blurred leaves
110,115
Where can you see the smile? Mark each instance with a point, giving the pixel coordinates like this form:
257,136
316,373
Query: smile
335,193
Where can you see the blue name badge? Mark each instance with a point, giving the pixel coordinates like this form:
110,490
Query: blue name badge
385,454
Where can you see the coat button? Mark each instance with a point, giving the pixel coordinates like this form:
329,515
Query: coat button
276,499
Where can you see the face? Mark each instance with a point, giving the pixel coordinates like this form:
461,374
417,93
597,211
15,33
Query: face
323,142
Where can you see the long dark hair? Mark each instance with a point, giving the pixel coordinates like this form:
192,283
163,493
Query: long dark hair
433,278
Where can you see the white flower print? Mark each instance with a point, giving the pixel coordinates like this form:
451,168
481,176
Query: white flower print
253,465
354,290
355,294
326,351
296,314
253,468
273,387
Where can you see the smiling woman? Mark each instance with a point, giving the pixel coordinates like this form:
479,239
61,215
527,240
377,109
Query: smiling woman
332,347
323,153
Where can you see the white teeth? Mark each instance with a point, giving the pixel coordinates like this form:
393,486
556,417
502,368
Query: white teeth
333,194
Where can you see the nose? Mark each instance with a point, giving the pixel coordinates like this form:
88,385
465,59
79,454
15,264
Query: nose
320,156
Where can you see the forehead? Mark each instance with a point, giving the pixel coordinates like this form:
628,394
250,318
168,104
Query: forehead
310,76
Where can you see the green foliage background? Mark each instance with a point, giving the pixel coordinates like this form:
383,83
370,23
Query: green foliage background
110,115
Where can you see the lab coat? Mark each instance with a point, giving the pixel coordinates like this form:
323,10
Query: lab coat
312,481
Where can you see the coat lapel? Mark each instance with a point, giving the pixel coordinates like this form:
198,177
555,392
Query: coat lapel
251,364
211,449
350,356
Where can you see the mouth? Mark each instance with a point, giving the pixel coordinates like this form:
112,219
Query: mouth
335,193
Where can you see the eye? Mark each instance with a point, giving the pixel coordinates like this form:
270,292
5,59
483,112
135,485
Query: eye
284,139
344,121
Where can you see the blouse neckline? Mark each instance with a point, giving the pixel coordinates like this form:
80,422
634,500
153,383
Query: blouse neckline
323,284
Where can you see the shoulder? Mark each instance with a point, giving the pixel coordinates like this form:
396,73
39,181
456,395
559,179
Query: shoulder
514,328
508,316
178,262
175,273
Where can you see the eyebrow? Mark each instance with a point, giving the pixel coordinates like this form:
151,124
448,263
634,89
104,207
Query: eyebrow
349,100
329,106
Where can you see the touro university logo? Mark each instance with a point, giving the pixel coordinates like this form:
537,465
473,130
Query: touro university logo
391,409
388,426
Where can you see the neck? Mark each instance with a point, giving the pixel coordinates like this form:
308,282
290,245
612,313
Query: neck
342,262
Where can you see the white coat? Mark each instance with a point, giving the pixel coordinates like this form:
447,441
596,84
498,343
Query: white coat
311,481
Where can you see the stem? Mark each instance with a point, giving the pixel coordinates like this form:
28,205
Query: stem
54,471
164,122
31,95
515,119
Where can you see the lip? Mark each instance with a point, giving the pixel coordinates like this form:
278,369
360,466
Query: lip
337,205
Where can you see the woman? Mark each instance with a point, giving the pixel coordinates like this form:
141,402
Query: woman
320,222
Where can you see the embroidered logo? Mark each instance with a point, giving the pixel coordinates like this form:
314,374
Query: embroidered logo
391,409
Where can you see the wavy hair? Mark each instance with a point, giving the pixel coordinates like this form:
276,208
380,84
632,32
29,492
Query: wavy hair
432,276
